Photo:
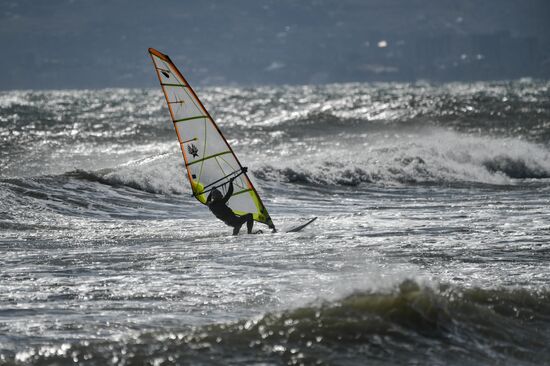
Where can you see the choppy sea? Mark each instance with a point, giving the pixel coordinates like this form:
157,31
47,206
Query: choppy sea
432,245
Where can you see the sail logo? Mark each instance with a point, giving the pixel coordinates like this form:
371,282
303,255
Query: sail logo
192,149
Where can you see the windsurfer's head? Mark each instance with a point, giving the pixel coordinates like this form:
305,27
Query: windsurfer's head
216,195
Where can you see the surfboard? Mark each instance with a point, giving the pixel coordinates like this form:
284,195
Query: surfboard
209,161
294,229
291,228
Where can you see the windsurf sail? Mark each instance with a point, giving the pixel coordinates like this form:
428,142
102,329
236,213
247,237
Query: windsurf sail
209,160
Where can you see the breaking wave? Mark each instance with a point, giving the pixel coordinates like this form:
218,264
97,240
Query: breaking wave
162,174
442,325
443,157
440,158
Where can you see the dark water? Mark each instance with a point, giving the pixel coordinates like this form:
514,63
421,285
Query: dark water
432,244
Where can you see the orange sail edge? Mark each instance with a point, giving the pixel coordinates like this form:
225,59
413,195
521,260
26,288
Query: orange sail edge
165,58
158,54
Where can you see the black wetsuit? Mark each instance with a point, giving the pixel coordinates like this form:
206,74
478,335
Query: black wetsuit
221,211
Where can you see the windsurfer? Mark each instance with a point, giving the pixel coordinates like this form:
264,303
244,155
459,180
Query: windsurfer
217,203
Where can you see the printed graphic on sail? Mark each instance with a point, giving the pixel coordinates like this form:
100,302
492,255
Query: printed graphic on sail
209,159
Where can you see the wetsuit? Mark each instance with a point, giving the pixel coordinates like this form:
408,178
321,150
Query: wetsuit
218,206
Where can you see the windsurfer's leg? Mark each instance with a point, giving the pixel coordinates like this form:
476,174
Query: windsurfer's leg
249,222
237,222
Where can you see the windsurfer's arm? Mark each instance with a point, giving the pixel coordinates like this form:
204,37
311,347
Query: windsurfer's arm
229,191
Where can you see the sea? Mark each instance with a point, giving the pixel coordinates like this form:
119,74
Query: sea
431,247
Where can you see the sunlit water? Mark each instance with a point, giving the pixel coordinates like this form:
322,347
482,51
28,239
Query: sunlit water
431,247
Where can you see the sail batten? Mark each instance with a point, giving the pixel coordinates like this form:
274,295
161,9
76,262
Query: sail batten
209,159
188,118
177,85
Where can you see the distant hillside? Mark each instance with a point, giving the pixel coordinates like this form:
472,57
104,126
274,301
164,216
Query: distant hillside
100,43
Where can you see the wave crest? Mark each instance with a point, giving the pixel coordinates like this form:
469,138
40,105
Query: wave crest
442,325
439,158
158,174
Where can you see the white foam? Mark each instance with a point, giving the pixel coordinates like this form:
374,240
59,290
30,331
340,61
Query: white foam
162,173
424,157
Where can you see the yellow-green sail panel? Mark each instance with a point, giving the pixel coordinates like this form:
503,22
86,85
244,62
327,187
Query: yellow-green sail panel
209,160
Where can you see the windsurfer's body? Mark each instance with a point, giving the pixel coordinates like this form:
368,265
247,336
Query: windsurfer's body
217,203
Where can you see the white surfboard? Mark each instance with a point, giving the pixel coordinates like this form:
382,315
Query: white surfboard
296,228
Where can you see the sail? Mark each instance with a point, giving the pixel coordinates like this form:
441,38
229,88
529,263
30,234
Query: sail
209,160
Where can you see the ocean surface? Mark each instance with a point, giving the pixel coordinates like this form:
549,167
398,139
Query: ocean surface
432,245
